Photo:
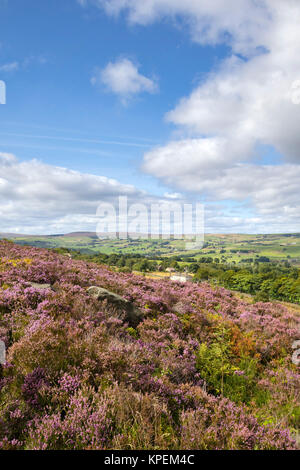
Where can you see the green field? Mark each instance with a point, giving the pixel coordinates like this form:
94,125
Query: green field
227,248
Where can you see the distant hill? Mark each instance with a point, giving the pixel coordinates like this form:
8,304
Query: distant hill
19,235
80,234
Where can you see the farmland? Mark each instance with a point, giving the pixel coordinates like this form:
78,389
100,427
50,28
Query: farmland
233,248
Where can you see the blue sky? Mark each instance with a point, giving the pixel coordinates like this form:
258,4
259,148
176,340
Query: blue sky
52,95
158,95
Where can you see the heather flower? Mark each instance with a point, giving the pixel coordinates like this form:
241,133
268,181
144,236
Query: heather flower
203,370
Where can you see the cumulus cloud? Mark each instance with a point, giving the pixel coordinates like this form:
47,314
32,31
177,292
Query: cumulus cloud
249,97
42,199
123,79
249,102
270,189
37,197
241,24
194,159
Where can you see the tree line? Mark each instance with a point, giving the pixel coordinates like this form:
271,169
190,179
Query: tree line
264,279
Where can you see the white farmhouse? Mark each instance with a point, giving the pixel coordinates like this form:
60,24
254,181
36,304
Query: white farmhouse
181,277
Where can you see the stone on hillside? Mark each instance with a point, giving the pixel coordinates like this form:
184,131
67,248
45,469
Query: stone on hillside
38,286
126,310
2,353
181,308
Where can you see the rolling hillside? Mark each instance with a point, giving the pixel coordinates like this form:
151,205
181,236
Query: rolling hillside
228,248
194,367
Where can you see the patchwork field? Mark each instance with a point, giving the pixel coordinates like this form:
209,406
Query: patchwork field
228,248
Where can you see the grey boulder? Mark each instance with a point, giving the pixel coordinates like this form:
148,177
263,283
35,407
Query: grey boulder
124,309
41,287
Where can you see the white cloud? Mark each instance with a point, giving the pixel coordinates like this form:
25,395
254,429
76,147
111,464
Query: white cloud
173,196
9,67
193,160
246,104
44,198
194,165
250,101
246,101
240,23
20,65
40,198
123,79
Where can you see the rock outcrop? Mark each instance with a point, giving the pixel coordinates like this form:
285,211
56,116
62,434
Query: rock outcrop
126,311
38,286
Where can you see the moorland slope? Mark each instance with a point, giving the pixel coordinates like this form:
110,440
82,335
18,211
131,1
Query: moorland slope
202,369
